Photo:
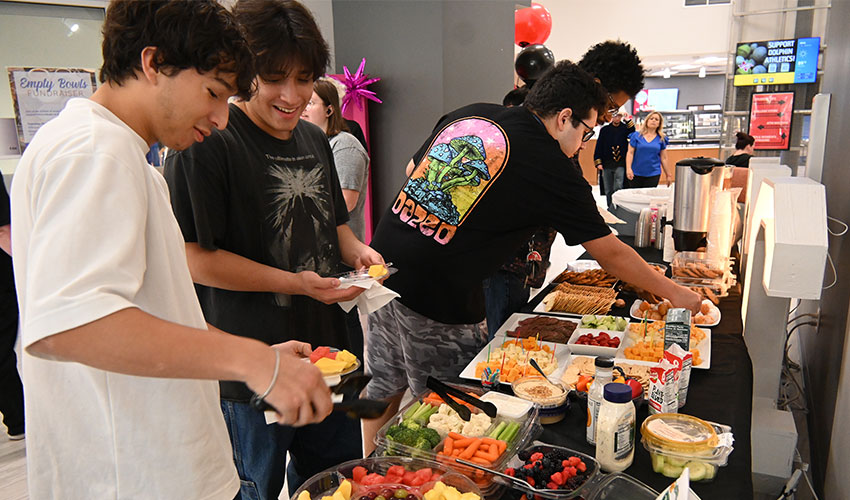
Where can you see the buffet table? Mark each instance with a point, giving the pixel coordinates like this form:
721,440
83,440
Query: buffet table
721,394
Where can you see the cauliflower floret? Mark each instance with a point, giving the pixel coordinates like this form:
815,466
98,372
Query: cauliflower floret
441,423
477,425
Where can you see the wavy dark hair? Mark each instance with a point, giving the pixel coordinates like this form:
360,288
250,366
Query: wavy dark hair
197,34
515,97
617,66
282,34
566,86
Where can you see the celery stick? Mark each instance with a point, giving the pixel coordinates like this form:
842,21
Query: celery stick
410,411
499,428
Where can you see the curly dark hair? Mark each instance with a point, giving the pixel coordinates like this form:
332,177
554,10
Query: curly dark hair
515,97
198,34
566,86
282,34
616,65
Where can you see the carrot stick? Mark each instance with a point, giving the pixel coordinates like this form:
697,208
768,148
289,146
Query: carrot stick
463,442
492,453
481,461
455,435
448,445
456,452
501,445
470,450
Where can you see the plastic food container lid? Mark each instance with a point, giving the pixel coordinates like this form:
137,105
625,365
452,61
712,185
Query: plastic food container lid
679,433
508,406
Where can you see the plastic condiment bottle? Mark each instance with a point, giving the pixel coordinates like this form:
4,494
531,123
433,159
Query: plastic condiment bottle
604,366
615,429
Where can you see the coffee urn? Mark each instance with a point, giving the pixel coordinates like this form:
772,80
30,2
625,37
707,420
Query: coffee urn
695,178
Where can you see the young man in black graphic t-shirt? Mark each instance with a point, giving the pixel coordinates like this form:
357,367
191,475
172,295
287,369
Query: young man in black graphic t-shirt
262,212
485,179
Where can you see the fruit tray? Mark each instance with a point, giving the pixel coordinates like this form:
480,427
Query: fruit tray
387,478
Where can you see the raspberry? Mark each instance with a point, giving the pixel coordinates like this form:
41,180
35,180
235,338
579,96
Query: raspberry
565,463
536,456
510,471
574,461
530,480
557,478
552,486
581,466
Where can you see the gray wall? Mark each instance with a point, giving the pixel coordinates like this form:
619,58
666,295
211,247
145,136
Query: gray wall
432,57
822,349
692,89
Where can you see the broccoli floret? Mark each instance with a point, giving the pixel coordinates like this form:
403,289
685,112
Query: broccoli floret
393,431
422,443
410,424
432,436
406,436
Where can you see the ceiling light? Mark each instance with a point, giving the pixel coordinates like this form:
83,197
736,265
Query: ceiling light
711,60
685,67
702,72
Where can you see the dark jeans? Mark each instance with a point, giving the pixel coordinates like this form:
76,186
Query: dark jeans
644,182
355,332
259,449
11,389
613,179
504,294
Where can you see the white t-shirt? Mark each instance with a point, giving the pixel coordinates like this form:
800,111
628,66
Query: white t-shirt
94,234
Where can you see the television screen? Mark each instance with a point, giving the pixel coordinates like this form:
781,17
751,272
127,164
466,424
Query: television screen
777,62
657,100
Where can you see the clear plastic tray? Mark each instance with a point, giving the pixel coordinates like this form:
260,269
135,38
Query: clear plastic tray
326,482
529,428
699,265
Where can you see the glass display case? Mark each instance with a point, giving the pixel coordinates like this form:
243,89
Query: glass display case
678,125
707,125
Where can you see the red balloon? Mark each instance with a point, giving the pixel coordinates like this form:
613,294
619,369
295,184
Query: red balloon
532,25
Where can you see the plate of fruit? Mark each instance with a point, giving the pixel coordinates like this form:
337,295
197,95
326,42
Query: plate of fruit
334,363
388,478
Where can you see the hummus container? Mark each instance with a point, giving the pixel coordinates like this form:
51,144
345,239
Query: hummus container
675,441
550,398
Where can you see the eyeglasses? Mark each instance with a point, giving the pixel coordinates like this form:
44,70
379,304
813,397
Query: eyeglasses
587,135
613,107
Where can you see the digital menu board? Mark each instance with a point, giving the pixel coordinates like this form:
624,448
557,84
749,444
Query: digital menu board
770,119
777,62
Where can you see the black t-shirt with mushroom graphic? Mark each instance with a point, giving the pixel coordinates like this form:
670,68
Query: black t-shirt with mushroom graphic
483,182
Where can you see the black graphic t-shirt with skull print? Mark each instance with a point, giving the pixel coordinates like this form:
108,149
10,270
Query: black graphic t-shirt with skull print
275,202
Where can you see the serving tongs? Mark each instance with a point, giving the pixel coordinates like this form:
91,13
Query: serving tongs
349,387
445,391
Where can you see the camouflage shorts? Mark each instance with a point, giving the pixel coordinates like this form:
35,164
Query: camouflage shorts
403,348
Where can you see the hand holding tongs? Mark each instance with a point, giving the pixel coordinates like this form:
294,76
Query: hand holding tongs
349,388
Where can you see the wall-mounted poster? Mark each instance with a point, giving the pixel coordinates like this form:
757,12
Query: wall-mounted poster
39,94
770,119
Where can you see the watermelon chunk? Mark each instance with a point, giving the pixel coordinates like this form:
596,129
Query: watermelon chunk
319,352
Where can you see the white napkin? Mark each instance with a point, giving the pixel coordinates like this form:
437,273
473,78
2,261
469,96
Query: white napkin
375,297
271,415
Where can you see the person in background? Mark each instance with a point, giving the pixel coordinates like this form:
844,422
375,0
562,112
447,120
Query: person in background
616,65
743,150
647,155
264,220
515,97
610,153
11,389
119,364
484,180
350,157
352,168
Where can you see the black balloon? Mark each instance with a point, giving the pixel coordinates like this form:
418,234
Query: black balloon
533,61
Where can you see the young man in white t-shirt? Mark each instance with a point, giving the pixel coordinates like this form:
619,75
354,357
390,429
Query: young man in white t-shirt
119,364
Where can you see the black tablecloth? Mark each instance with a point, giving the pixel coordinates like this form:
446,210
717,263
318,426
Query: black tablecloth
721,394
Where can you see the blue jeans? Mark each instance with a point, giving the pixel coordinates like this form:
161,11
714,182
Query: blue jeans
504,294
259,449
613,179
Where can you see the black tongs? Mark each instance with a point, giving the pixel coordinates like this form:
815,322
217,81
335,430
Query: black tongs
350,387
445,391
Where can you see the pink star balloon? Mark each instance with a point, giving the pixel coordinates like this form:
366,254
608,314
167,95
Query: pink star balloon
355,87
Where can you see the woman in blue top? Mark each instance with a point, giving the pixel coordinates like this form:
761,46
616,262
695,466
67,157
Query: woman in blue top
647,155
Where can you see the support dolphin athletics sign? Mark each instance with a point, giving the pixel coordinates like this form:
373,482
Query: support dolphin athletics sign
39,94
777,62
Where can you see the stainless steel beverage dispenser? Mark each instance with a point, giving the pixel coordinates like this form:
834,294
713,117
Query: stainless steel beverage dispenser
695,178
